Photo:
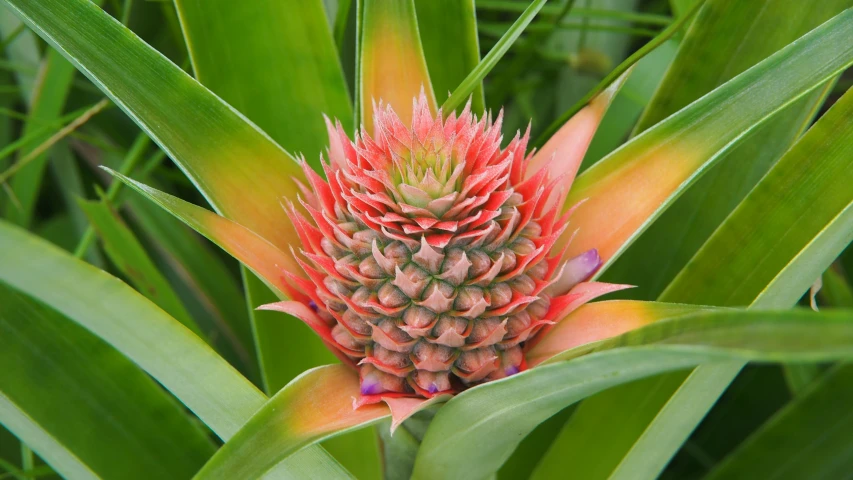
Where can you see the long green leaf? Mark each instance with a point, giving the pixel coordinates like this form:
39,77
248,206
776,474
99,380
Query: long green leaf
114,420
769,251
636,183
477,430
239,169
475,77
180,361
727,38
53,83
273,61
149,337
449,36
809,438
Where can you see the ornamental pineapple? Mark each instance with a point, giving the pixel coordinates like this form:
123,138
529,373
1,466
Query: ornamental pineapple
428,250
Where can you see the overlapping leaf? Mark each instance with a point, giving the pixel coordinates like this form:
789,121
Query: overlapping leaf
498,414
180,361
55,359
633,185
766,254
241,172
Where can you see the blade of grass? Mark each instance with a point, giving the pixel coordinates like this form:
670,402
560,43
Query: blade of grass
38,152
67,175
448,31
131,160
475,78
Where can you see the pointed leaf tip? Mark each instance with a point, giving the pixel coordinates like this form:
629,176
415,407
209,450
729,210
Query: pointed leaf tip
259,255
403,408
564,152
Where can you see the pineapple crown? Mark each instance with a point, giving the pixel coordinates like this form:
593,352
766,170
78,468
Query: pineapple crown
428,252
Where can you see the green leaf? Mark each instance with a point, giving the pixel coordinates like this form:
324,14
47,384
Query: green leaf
636,183
475,77
478,429
726,38
448,31
256,253
133,325
808,438
24,51
180,361
67,174
630,102
48,100
239,169
781,246
769,251
133,261
273,61
114,420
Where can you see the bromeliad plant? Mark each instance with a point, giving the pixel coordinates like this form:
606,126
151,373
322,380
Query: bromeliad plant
430,254
448,270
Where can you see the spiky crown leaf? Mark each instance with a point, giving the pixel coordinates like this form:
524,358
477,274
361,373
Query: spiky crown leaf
427,252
